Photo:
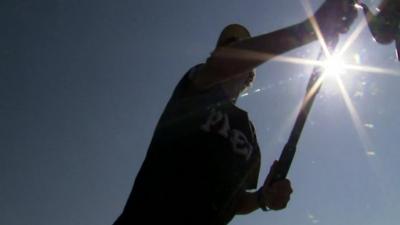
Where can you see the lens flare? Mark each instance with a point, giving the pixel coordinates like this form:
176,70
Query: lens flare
334,66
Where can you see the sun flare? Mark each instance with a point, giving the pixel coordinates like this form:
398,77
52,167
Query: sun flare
334,66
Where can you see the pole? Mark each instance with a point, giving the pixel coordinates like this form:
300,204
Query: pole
313,87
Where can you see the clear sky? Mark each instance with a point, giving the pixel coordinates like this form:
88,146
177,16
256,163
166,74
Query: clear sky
82,84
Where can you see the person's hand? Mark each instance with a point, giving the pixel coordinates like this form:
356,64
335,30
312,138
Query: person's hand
276,194
335,17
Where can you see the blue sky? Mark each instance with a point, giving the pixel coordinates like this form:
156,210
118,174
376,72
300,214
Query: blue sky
82,84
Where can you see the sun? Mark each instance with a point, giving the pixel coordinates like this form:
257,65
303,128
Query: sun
334,66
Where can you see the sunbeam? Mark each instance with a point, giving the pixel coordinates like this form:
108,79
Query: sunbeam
314,24
353,36
365,140
371,69
355,118
333,63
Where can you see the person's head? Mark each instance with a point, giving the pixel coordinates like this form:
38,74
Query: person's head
240,82
232,33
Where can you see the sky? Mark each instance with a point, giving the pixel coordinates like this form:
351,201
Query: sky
83,83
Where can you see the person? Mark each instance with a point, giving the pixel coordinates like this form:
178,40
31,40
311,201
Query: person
203,162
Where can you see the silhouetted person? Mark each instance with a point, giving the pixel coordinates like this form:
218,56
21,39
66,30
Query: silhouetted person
203,162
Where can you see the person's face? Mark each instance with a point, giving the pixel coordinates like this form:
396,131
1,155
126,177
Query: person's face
249,80
239,84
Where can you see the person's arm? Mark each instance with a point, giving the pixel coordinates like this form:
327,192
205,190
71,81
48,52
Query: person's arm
243,56
247,203
272,195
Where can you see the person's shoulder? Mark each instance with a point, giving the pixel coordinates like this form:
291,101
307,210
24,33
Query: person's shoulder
189,79
195,71
196,74
203,76
186,86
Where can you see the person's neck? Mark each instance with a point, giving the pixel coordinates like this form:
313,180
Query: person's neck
229,92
